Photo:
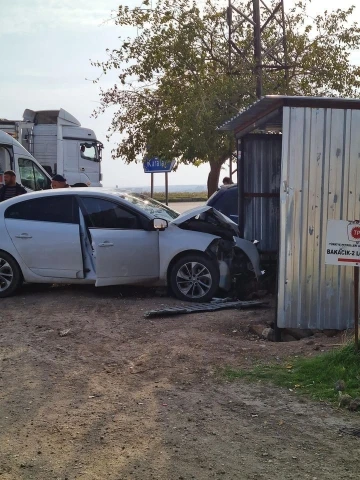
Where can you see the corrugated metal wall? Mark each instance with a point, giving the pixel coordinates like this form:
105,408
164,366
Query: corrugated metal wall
262,169
320,180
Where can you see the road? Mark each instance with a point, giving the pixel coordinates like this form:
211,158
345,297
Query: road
183,206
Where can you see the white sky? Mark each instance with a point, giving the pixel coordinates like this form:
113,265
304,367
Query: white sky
46,47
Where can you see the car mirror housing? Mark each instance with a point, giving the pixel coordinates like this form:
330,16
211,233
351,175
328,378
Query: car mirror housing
159,224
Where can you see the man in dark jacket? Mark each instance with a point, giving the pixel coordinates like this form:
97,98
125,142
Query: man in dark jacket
11,188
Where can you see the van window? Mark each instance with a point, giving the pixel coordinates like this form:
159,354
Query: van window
4,161
32,176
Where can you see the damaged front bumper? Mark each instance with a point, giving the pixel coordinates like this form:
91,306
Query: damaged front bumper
252,252
237,258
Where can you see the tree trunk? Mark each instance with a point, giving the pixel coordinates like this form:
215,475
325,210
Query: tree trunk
214,175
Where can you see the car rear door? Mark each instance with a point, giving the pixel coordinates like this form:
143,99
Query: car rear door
45,231
125,252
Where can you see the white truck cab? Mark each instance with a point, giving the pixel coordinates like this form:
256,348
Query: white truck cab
13,156
60,145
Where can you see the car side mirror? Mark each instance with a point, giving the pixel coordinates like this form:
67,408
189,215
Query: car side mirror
159,224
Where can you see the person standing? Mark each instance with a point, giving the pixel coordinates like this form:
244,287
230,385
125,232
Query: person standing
11,188
227,181
58,181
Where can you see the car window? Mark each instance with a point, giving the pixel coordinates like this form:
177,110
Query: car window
31,176
58,209
100,213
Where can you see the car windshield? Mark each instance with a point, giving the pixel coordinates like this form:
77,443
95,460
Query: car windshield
150,206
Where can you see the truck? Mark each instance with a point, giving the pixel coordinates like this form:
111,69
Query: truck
60,145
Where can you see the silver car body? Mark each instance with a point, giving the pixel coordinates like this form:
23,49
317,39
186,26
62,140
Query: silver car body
50,252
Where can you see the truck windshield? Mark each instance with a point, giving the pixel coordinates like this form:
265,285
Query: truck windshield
89,151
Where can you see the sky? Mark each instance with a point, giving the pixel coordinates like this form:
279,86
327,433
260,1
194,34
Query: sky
46,48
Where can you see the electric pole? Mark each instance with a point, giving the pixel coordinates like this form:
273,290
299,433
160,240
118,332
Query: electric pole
267,52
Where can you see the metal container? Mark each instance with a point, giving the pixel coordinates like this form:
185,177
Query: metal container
319,179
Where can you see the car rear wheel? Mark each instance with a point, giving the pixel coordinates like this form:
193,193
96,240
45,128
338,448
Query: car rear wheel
195,278
10,275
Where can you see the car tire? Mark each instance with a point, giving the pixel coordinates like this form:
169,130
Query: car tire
194,278
10,275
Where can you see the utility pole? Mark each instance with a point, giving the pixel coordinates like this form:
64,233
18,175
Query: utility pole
257,47
266,21
265,57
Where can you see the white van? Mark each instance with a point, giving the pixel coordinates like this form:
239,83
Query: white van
13,156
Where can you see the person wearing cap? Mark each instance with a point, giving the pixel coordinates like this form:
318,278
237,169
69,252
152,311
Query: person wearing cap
11,188
58,181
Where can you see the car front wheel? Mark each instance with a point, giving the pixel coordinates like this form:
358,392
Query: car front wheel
10,275
195,278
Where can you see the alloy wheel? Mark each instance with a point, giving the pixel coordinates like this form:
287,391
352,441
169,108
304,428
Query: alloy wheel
194,280
6,275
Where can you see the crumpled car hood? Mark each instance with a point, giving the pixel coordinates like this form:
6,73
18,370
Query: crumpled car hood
218,224
200,212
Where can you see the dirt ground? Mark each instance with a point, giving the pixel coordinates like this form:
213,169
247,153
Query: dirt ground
90,389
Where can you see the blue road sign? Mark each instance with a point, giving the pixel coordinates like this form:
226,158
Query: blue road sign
156,165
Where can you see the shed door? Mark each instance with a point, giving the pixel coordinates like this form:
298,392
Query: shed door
262,170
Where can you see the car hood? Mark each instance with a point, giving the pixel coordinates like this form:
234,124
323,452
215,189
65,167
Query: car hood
207,212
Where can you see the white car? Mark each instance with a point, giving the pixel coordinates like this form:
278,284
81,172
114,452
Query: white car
106,237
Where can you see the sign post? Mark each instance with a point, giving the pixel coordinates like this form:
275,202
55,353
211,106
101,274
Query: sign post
152,186
166,188
156,165
356,307
343,248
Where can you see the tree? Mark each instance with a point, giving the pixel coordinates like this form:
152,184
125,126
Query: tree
175,87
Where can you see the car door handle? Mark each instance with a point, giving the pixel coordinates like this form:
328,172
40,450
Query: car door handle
106,244
23,235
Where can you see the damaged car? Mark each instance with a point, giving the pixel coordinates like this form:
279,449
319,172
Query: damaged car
106,237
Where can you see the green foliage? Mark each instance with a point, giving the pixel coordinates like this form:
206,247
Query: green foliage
315,376
175,87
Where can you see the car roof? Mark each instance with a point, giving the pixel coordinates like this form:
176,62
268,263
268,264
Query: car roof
109,193
71,191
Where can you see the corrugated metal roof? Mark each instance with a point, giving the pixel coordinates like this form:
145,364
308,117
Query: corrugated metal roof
268,109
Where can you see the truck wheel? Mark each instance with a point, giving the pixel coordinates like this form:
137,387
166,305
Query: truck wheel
195,278
10,275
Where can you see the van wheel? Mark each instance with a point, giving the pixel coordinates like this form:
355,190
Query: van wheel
10,275
195,278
